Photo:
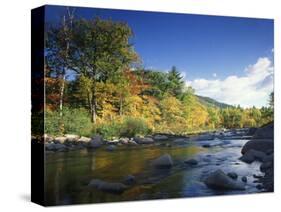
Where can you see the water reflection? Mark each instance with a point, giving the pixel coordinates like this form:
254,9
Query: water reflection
69,173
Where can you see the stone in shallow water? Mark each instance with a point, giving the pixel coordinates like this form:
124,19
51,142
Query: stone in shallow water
244,179
233,175
192,162
107,186
252,155
164,161
129,180
111,148
220,181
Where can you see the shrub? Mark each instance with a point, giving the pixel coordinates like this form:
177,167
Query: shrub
109,130
74,121
134,126
127,127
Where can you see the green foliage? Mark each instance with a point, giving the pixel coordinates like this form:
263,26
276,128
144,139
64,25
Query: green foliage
127,127
108,130
73,121
134,126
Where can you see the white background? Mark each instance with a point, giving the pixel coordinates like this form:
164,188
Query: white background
15,104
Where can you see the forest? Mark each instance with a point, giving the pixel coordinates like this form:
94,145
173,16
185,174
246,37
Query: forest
95,83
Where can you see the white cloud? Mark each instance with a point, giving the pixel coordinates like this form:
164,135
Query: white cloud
214,74
251,89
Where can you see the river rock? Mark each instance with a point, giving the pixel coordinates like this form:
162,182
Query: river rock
203,137
164,161
50,146
132,143
96,142
262,145
232,175
60,139
252,155
180,141
265,132
244,179
107,186
192,162
252,131
84,139
219,180
124,140
47,138
145,140
72,138
268,158
111,148
262,139
56,147
129,180
160,137
266,166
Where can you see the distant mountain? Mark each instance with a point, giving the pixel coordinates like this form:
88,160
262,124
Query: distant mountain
207,101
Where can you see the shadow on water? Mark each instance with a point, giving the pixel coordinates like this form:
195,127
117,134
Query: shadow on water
67,174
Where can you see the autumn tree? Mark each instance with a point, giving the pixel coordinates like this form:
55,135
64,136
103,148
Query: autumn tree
58,51
102,49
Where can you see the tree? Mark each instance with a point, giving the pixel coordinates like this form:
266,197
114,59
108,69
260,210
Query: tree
58,48
102,49
175,82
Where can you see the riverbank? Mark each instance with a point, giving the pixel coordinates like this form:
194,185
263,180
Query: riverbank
76,142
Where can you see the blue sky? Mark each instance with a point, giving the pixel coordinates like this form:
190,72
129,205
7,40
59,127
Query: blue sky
201,47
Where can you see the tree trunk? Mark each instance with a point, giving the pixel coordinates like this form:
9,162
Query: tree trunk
62,94
93,111
121,107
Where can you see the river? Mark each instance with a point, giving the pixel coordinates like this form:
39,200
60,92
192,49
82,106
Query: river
68,173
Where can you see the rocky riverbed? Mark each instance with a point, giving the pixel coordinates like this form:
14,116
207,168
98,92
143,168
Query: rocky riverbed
86,170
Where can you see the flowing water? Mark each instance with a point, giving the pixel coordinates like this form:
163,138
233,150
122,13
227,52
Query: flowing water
68,173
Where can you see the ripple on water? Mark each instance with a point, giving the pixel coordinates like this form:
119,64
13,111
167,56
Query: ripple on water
68,173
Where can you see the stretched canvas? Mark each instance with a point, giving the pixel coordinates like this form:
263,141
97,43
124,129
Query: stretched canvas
135,105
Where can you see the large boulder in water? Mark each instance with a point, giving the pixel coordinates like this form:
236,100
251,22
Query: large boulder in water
265,132
252,155
262,145
96,142
164,161
220,181
262,140
107,186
